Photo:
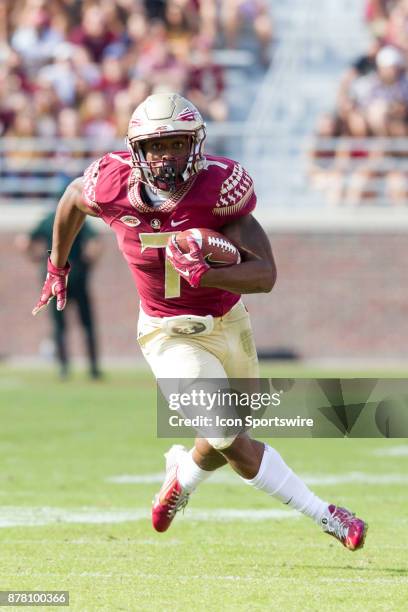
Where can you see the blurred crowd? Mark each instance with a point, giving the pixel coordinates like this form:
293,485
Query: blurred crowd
72,68
372,102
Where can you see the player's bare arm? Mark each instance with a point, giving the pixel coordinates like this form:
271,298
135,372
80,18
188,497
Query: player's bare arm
257,272
69,218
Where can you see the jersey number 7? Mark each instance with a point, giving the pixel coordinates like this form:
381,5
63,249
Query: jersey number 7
171,277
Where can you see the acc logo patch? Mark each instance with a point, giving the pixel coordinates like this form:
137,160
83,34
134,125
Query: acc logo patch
155,223
130,221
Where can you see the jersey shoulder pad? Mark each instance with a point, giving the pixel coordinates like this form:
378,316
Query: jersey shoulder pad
236,187
104,179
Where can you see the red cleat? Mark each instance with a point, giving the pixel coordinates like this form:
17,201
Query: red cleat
171,497
345,527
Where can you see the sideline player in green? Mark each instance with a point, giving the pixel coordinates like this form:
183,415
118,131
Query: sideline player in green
86,250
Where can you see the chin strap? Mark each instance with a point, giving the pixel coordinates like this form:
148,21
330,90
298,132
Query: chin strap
166,180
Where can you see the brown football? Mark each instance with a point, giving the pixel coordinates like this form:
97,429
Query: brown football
217,249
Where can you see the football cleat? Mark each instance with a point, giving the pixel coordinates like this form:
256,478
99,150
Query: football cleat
171,497
345,527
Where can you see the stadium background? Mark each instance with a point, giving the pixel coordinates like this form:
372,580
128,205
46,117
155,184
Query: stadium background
80,460
341,260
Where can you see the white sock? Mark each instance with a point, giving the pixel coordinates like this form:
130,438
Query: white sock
189,473
278,480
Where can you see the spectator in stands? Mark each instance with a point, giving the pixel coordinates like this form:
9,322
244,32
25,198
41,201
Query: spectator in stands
155,9
35,39
14,89
87,71
377,14
138,90
14,72
382,97
113,78
22,109
362,66
207,12
23,126
397,27
234,13
396,185
61,74
46,106
122,109
205,83
181,25
96,120
94,33
374,104
159,65
69,49
136,38
69,125
325,175
4,29
84,254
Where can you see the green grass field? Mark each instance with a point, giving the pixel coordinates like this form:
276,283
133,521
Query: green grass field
74,512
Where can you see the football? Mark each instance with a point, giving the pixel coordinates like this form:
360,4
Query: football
217,249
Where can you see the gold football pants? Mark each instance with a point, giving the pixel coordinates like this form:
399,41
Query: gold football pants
227,352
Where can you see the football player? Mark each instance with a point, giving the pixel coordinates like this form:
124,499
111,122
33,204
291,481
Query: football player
162,184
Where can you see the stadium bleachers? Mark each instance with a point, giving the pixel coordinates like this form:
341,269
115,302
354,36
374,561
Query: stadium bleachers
35,166
271,123
316,42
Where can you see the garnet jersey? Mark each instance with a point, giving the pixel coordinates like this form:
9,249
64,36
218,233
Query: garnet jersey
215,196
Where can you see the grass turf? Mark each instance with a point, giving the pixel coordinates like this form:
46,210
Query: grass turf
59,443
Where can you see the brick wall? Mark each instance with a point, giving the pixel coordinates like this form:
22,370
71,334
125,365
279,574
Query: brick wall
338,295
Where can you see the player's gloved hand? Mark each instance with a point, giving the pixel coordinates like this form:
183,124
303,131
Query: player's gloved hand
55,286
192,265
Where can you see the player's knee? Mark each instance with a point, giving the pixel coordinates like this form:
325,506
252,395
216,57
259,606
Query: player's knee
220,444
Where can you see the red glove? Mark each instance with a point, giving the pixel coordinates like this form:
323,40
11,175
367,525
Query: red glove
192,265
55,286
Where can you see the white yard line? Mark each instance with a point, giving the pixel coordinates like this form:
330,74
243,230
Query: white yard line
217,478
186,578
229,478
357,478
136,478
9,383
12,516
394,451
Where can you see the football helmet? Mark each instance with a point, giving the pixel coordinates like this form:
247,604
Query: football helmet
161,115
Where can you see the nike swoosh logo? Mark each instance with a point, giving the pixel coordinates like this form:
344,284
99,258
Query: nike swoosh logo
176,223
184,272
